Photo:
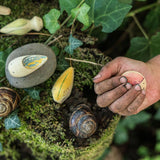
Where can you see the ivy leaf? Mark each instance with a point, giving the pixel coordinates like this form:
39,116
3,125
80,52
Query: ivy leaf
56,50
62,64
126,1
34,92
143,49
73,44
82,15
68,5
12,121
1,148
3,57
108,13
152,21
51,20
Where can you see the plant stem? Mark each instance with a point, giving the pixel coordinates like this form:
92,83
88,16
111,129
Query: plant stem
54,40
3,79
132,13
91,29
140,27
83,61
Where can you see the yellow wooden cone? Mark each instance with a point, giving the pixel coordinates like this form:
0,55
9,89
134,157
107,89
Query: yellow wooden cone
63,86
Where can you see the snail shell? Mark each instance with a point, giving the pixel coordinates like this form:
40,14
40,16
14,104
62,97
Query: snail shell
25,65
82,122
8,100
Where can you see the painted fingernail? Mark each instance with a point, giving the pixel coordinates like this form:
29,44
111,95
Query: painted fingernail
97,76
123,79
143,92
137,87
128,86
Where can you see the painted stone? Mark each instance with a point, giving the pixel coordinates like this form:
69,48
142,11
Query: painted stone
38,76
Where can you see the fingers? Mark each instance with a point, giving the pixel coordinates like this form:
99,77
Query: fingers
129,102
109,84
109,97
110,69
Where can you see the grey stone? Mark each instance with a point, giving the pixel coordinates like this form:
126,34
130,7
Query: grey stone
40,75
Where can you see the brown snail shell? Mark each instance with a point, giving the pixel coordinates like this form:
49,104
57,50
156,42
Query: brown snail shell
8,100
82,122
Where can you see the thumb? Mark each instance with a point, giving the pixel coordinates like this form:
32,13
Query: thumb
110,69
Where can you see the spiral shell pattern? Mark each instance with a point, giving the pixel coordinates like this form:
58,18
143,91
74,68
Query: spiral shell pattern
8,100
82,122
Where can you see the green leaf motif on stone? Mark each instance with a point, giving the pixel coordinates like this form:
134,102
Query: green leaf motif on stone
12,121
143,49
3,57
73,44
34,92
82,15
1,148
51,20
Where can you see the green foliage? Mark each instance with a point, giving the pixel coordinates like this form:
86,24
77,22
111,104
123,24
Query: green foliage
81,14
121,134
129,123
12,121
1,148
143,151
73,44
68,5
157,115
34,92
56,50
132,121
126,1
51,20
109,14
143,49
62,64
152,20
3,56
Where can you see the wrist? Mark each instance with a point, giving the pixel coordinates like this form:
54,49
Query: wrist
154,65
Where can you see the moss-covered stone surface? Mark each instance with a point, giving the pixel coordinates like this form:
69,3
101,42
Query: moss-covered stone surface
44,133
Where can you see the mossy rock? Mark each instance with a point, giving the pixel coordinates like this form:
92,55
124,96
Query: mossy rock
44,133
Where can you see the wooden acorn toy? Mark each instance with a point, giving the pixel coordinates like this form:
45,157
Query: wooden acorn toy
82,122
22,26
8,101
25,65
4,10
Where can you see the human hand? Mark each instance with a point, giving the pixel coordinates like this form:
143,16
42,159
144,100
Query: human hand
120,96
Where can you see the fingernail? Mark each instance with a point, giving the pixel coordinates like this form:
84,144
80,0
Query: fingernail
97,76
137,87
123,79
128,85
143,92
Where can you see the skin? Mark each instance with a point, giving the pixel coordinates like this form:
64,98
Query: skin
115,92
